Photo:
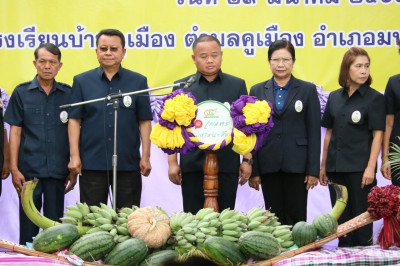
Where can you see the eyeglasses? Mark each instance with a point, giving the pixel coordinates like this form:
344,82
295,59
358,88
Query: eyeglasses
285,61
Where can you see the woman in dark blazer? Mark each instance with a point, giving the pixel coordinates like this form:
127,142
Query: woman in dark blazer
354,118
287,165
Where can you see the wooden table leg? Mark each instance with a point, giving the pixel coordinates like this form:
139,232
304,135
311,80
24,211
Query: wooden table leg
210,182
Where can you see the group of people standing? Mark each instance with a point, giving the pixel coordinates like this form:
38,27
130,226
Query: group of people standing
56,147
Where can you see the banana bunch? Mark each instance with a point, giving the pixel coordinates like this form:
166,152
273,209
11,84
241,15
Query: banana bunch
104,218
262,220
208,225
184,229
266,221
283,234
233,224
76,214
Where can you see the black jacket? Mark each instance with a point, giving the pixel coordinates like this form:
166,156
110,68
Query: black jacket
294,143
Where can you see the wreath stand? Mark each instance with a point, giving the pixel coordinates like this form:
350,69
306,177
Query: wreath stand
210,182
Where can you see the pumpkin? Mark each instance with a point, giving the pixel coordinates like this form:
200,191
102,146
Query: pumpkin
151,225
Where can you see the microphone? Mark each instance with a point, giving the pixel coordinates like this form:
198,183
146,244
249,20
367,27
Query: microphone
189,82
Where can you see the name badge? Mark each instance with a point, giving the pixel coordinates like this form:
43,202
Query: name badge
356,116
298,106
64,116
127,101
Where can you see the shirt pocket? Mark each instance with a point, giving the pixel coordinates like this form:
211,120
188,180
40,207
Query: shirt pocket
33,114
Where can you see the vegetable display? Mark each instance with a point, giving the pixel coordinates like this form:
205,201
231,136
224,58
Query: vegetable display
149,236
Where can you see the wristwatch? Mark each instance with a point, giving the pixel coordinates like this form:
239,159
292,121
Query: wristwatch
249,161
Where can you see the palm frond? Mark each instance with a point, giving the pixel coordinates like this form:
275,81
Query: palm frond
394,157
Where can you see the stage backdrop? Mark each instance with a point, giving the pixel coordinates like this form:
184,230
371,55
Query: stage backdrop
159,36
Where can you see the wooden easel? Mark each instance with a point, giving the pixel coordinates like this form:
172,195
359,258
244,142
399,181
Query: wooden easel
210,182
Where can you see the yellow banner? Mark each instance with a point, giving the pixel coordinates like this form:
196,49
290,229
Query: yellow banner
159,35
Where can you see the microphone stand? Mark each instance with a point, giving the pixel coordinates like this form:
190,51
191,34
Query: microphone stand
115,101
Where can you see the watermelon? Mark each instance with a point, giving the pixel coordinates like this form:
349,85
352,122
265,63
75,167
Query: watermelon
325,224
55,238
223,251
304,233
129,252
259,245
93,246
158,257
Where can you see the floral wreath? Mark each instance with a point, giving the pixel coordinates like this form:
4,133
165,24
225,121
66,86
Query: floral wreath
251,120
176,115
252,123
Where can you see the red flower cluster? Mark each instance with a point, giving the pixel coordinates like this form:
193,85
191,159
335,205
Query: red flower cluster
384,202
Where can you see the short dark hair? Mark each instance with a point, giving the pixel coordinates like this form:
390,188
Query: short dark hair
52,48
281,44
205,38
111,32
348,59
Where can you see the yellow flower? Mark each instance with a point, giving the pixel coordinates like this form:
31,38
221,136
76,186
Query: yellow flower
181,109
243,144
166,138
258,112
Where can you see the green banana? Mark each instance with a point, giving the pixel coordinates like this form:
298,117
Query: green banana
103,220
341,200
190,237
122,230
75,214
73,208
106,227
203,212
253,224
69,220
287,244
230,238
33,214
230,233
230,226
93,230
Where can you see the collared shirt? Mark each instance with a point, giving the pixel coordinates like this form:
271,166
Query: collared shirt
97,119
44,149
280,95
224,88
352,120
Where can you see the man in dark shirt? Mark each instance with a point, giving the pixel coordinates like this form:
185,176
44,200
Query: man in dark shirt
39,138
211,84
91,127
